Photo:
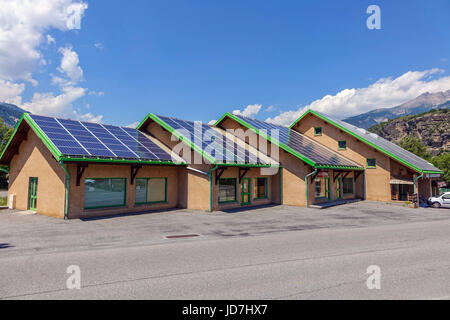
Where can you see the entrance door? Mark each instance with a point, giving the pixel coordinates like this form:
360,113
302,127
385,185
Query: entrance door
32,193
245,191
339,188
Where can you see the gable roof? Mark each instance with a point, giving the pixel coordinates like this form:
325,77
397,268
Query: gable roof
388,148
295,143
219,149
71,140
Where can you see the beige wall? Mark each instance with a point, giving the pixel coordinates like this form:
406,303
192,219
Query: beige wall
76,194
35,160
377,180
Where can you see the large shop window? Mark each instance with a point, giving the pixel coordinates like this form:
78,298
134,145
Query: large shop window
321,188
151,190
261,188
104,192
347,185
227,190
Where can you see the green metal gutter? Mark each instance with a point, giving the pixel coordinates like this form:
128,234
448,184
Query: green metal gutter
210,186
306,186
66,205
415,182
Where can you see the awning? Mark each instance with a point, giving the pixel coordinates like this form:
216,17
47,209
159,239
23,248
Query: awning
401,181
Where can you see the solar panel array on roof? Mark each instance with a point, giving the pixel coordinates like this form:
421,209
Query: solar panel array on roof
85,139
215,144
385,145
305,146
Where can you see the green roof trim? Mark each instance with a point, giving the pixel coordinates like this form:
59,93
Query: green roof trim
363,140
265,136
60,157
282,145
84,159
47,142
179,136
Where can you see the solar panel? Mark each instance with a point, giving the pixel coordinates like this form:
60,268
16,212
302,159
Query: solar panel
305,146
79,138
213,142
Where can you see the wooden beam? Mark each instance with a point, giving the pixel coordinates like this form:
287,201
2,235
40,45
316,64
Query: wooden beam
336,176
345,175
219,173
357,174
80,170
134,169
244,172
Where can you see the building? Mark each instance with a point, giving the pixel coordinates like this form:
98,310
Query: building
391,172
73,169
312,174
222,171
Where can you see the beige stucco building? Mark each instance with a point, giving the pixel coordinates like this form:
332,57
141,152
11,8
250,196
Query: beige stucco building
391,173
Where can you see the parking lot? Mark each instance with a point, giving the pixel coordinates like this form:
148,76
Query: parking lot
22,233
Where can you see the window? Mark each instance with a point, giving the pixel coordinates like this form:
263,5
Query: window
347,184
342,145
261,188
321,187
104,192
150,190
227,190
371,163
318,131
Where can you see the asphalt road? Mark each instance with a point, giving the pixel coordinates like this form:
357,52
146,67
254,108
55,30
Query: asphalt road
318,263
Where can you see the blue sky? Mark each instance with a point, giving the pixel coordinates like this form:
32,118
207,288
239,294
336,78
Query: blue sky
199,59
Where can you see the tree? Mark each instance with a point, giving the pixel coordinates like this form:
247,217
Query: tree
414,145
443,162
5,134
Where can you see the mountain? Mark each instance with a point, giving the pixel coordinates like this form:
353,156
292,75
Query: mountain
10,113
432,128
422,103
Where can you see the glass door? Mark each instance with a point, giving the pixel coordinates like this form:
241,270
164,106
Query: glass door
32,193
245,191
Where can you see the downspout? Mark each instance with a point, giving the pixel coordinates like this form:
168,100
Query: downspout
415,182
66,205
306,185
210,186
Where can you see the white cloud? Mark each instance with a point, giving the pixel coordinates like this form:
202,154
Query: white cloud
384,93
22,24
89,117
133,125
250,111
96,93
50,39
269,108
69,65
10,92
59,105
99,45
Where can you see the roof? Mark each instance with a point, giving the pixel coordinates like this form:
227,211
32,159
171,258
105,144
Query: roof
214,144
295,143
390,149
71,140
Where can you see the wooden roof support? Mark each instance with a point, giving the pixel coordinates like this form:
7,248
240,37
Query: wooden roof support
134,171
80,170
219,173
244,172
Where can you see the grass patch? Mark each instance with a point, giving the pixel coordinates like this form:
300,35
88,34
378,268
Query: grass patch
3,201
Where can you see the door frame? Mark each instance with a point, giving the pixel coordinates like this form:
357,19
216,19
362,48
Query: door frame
249,193
339,193
32,193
